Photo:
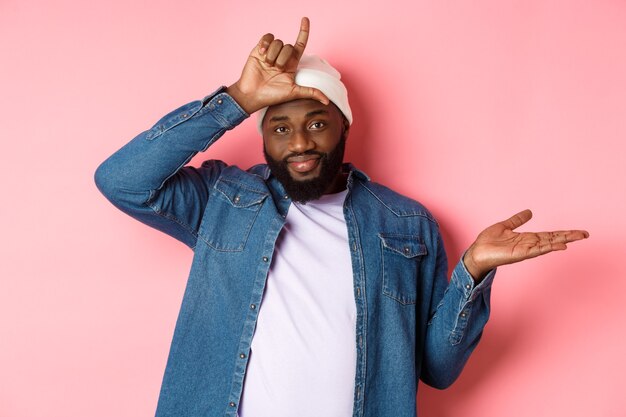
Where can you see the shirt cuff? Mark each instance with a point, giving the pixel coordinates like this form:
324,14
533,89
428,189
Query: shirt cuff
464,281
224,108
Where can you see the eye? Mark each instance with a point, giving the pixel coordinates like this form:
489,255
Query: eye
317,125
280,129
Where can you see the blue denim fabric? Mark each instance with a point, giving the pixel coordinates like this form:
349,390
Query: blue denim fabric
411,323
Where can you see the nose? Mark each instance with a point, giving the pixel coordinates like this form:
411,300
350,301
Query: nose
300,142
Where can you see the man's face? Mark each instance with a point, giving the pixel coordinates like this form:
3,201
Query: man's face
304,142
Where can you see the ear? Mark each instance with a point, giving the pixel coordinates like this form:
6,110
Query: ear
346,128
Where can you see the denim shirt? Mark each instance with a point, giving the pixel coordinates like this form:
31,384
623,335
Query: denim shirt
411,322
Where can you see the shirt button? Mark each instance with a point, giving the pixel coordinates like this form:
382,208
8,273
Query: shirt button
252,306
220,101
265,259
463,314
237,199
468,286
232,404
406,250
185,115
242,355
286,197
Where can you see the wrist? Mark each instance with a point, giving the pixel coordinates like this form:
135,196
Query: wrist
242,99
475,270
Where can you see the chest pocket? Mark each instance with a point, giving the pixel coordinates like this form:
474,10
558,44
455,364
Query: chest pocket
229,216
401,259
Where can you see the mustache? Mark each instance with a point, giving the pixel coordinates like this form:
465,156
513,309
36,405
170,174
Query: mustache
309,152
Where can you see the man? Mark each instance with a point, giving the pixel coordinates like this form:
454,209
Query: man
313,291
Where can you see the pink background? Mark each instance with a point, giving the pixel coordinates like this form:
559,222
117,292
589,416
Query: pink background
476,108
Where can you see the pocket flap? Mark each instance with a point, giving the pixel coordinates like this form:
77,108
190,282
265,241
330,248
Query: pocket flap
408,246
238,194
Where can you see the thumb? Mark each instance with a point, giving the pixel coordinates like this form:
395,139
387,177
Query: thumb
310,92
518,219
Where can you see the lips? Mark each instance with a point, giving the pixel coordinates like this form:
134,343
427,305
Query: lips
303,164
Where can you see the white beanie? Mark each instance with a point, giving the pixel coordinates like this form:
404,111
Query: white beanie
315,72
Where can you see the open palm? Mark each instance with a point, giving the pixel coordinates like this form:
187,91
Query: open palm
499,244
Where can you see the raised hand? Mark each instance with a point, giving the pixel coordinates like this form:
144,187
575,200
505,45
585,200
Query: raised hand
268,77
499,244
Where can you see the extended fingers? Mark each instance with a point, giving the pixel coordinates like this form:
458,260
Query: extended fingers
273,51
303,37
545,242
563,236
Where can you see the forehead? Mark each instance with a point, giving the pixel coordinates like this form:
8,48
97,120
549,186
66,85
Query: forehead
300,109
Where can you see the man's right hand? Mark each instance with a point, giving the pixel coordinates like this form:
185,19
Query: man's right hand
268,77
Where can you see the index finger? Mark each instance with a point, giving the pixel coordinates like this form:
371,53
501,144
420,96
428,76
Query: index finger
303,37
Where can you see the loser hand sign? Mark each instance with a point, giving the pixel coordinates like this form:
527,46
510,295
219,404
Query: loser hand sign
268,77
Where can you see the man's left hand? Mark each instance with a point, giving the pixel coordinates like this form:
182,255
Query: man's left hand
500,245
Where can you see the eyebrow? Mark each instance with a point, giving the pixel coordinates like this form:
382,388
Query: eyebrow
309,114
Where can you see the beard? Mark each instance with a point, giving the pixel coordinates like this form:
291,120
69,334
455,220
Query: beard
311,189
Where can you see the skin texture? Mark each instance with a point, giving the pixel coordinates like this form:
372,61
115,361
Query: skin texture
268,79
314,188
301,133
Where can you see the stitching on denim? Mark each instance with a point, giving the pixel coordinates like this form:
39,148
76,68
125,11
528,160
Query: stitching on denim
420,213
457,335
362,371
175,120
401,300
241,185
242,245
438,238
458,332
411,238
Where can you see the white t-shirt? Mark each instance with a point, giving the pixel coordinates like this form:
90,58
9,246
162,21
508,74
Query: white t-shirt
303,355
